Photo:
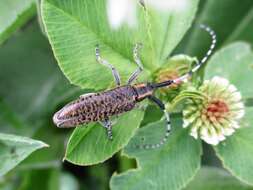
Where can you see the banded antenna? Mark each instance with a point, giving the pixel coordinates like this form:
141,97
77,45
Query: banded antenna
178,80
197,66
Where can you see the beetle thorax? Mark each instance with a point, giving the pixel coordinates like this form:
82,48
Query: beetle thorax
143,91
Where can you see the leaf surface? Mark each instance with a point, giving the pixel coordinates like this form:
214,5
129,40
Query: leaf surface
236,154
233,24
235,63
13,14
90,145
172,165
211,178
75,27
14,149
32,88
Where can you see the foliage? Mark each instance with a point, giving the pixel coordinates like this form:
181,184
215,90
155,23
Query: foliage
215,179
152,163
14,149
95,143
85,25
33,87
13,15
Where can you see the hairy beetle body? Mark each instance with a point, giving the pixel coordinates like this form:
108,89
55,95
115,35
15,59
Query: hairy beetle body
97,107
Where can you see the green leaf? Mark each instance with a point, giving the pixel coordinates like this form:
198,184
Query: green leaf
247,119
13,14
236,154
90,145
210,178
244,29
14,149
235,24
75,27
30,100
152,113
171,29
32,88
233,62
173,165
49,157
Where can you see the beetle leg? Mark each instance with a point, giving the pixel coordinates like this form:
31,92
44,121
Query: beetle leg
137,60
162,107
107,124
168,124
111,67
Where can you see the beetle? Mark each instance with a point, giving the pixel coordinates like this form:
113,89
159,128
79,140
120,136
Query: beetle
101,106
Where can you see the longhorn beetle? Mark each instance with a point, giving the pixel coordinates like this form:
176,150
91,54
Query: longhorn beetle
101,106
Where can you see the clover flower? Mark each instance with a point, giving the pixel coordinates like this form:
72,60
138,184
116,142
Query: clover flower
217,113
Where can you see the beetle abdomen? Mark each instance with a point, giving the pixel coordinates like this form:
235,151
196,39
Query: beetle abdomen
96,107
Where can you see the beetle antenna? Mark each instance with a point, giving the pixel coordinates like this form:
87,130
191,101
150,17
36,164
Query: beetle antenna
197,66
